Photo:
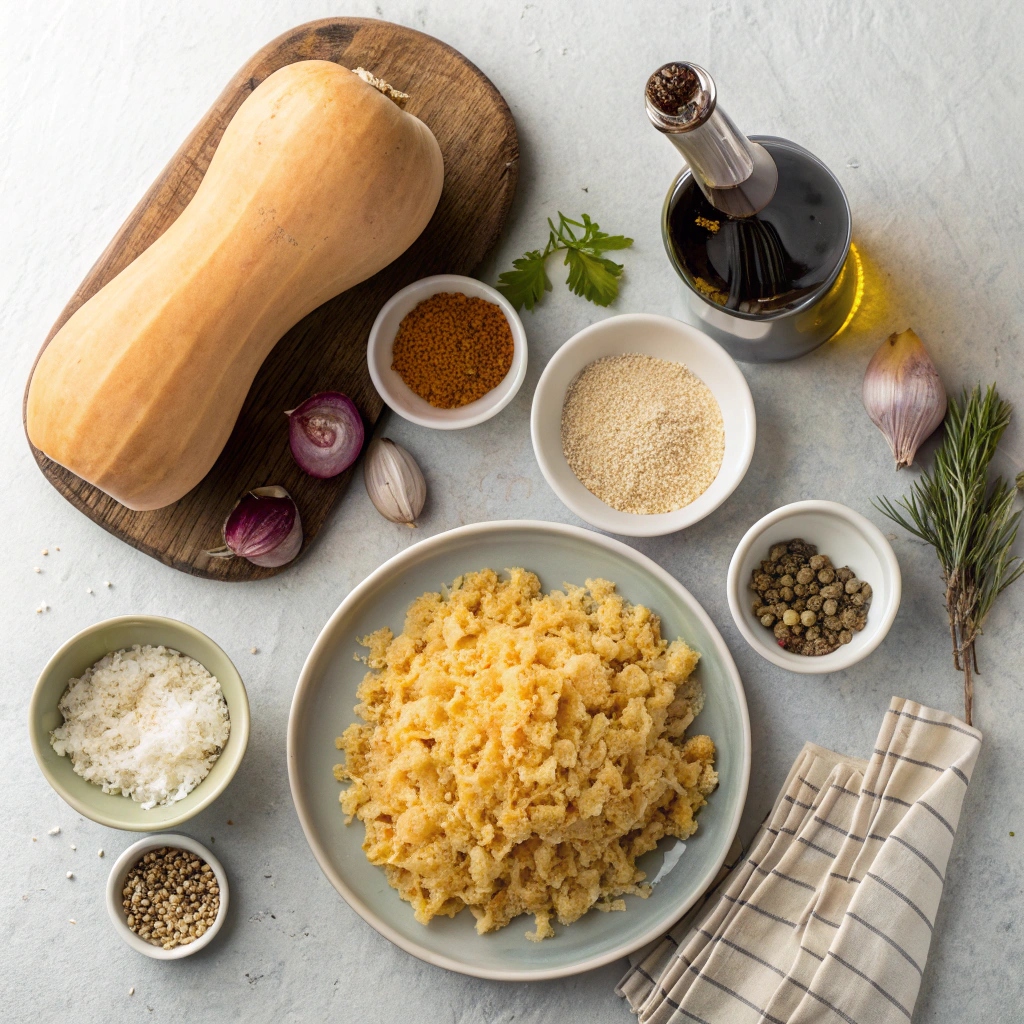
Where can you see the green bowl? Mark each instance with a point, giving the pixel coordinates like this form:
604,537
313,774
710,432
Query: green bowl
84,650
323,707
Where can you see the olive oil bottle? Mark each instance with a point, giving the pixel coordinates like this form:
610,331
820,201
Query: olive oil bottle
757,227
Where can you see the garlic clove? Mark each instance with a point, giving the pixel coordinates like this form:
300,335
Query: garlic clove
394,481
903,394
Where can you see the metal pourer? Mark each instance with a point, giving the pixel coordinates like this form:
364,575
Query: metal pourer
738,176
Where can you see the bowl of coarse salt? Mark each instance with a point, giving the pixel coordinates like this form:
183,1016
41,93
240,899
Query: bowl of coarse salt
642,425
139,722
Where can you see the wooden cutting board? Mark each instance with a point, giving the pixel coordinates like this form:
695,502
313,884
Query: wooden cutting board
326,350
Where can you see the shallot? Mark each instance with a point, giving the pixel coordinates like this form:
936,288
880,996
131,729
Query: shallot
263,527
326,434
903,394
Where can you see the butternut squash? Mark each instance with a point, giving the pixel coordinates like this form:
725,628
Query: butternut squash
319,181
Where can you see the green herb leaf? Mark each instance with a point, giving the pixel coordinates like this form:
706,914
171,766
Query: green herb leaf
594,239
590,274
526,284
593,277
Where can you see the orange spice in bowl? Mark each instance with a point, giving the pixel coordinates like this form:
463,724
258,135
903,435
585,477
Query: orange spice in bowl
452,349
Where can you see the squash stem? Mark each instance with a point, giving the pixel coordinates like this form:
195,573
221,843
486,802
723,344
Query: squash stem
399,98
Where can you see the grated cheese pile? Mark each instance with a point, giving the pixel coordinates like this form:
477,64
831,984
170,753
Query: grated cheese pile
521,750
147,723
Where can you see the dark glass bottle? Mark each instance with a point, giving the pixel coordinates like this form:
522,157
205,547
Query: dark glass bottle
758,227
772,259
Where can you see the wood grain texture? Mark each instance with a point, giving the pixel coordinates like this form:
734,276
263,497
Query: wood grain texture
327,349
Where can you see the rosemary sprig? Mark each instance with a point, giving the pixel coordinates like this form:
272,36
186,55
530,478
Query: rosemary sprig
970,523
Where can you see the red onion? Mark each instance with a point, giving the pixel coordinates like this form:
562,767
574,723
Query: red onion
263,527
326,434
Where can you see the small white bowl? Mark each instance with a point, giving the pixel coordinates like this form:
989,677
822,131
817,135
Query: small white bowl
663,338
399,396
115,886
848,539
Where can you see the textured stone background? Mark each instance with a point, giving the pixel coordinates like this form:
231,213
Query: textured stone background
917,107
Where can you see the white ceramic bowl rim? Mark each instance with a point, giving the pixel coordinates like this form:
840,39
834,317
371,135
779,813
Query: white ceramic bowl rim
400,398
240,724
877,628
306,678
115,884
548,449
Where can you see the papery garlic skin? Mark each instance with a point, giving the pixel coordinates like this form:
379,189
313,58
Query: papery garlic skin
394,482
903,394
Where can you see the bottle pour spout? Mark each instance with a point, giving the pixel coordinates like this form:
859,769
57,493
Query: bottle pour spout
738,176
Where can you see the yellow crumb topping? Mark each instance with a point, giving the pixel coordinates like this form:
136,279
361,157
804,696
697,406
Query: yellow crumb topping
521,750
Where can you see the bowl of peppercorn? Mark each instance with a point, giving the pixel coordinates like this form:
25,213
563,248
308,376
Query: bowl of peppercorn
167,896
814,587
447,352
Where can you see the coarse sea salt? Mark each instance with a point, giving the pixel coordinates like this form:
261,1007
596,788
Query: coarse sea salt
147,723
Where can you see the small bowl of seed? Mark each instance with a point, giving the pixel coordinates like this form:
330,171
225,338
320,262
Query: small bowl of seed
814,587
447,352
167,896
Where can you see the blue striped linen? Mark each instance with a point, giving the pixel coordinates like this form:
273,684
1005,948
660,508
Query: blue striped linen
829,915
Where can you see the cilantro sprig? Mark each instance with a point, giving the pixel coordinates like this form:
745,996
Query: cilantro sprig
591,274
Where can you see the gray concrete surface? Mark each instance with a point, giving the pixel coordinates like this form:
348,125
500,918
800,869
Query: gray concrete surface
916,106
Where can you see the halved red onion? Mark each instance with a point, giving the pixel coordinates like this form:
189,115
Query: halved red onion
264,527
326,434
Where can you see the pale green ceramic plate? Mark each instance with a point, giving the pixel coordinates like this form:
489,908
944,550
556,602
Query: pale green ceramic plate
85,649
323,707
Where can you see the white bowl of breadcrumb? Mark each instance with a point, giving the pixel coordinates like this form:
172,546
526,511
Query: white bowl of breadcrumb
642,425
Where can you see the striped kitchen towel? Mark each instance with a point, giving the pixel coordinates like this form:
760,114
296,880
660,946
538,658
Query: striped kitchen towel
829,915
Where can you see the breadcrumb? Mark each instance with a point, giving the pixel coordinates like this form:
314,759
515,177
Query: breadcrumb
520,751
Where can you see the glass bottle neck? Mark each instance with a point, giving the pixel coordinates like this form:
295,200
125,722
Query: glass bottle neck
738,176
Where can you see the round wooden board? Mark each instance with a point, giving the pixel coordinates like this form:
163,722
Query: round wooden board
326,350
